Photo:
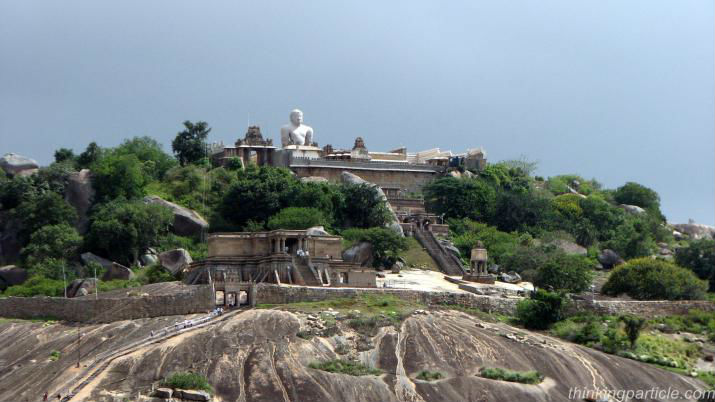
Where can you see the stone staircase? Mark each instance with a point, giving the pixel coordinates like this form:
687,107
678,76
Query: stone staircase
103,360
448,262
305,270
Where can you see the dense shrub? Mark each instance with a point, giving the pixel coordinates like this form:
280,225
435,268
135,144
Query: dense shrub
48,208
568,273
348,367
156,273
147,150
699,257
426,375
37,285
636,194
187,380
386,243
541,310
523,212
117,175
461,198
52,241
362,207
524,377
650,279
297,218
466,233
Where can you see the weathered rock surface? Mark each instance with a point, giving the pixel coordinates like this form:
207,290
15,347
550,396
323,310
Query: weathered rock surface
509,277
14,164
360,253
88,257
175,260
317,231
695,230
632,209
568,247
609,259
10,244
79,193
187,222
11,275
117,271
256,356
81,287
314,179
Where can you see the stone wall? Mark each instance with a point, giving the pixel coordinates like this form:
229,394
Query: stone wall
407,180
642,308
197,300
273,294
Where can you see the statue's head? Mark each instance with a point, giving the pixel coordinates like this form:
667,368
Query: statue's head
296,117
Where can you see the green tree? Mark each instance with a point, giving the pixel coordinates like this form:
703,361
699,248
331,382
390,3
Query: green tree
90,156
649,279
386,244
466,233
523,212
148,151
632,238
361,207
59,241
461,198
297,218
633,326
117,176
699,256
541,310
64,154
48,208
636,194
120,230
189,146
567,273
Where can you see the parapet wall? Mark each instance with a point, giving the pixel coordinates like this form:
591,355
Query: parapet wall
642,308
197,300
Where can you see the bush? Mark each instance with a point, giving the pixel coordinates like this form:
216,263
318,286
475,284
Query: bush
699,257
187,380
52,241
524,377
461,198
118,175
635,194
37,285
585,330
563,272
55,355
633,326
156,273
426,375
649,279
466,233
541,310
297,218
386,243
361,207
345,367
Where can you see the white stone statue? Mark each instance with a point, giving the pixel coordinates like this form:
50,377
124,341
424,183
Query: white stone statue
296,133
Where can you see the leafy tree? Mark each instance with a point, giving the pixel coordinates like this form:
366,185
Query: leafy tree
633,326
327,198
59,241
466,233
297,218
541,310
48,208
524,212
156,273
121,230
508,175
601,216
64,154
461,198
16,190
636,194
699,256
147,150
362,207
189,146
563,272
90,156
234,163
117,176
649,279
632,238
386,244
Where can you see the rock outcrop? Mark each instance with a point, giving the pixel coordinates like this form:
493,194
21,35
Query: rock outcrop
609,259
88,257
117,271
79,193
632,209
257,355
350,178
18,165
10,244
175,260
360,253
11,275
568,247
81,287
187,222
695,230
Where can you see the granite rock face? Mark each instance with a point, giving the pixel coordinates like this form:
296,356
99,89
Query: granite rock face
695,230
269,362
175,260
79,193
11,275
18,165
187,222
360,253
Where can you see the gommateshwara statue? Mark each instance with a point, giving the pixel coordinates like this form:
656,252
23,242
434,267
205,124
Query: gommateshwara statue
296,133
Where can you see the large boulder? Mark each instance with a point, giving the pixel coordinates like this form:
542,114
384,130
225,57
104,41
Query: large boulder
360,253
695,230
632,209
79,193
568,247
187,222
350,178
11,275
449,246
609,259
81,287
194,395
14,164
117,271
510,277
313,179
88,257
317,231
10,244
175,260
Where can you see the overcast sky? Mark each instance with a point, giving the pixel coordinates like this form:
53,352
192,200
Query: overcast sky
616,90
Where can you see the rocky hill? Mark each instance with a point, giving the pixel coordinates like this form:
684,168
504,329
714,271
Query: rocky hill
258,355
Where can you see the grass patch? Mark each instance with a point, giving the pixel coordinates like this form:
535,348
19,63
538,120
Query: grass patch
345,367
187,380
426,375
696,322
416,256
524,377
55,355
